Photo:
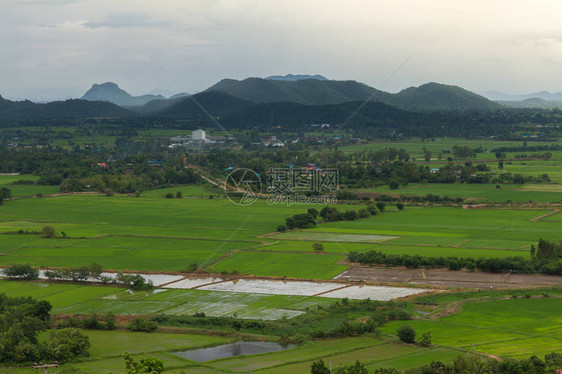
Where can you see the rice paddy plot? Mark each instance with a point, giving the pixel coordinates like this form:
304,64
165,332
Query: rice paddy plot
496,224
374,292
73,298
484,192
330,236
306,246
275,264
507,328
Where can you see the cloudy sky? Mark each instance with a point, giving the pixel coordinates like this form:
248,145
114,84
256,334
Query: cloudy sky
59,48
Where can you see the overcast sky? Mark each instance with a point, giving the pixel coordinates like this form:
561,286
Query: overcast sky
59,48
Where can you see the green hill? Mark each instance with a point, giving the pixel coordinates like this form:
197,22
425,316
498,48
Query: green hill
27,110
430,96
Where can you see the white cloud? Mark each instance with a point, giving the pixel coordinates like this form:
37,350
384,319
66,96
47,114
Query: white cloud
59,48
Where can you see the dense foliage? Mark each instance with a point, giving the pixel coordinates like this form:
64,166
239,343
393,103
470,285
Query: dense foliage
491,265
341,319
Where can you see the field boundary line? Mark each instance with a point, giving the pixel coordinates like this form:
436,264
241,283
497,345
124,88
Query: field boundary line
335,289
212,283
540,218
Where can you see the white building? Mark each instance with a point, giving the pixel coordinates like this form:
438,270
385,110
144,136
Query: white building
198,135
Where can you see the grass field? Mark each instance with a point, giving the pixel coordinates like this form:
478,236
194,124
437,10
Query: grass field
507,328
19,190
482,192
128,233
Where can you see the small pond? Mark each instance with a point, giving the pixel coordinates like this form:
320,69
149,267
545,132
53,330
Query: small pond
230,350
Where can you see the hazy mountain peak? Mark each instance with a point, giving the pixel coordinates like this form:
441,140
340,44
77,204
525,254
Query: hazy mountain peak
112,93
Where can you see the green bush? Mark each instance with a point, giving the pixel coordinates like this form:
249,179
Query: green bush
141,324
407,334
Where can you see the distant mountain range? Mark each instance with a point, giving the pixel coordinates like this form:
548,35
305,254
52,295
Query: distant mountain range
296,77
290,98
544,95
111,92
541,100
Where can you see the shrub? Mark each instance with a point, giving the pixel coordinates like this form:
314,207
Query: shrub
425,339
407,334
169,195
318,247
141,324
48,231
400,206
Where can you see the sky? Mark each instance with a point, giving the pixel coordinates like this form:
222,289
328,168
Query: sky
56,49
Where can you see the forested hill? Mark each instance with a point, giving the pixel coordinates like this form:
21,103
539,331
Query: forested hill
427,97
436,96
27,110
304,91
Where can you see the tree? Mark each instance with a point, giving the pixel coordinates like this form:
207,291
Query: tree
319,367
394,185
147,365
66,344
48,231
425,339
318,247
23,271
313,212
178,195
407,334
426,154
5,193
400,206
381,206
357,368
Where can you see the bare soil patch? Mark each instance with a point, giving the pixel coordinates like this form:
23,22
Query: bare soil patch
448,278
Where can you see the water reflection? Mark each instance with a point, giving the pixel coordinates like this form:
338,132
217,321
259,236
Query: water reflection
230,350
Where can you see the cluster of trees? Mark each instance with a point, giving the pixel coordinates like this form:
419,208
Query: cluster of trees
491,265
547,250
544,156
21,271
526,148
463,364
21,320
90,322
429,198
331,214
89,272
131,166
142,324
93,272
